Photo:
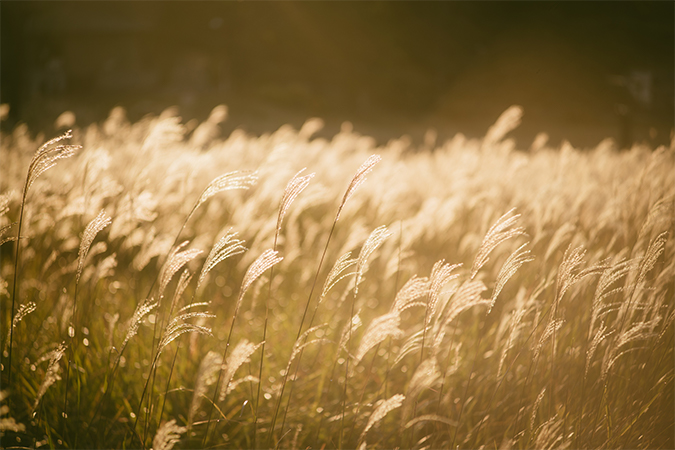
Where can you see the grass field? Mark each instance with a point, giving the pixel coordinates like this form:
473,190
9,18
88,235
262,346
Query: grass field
171,290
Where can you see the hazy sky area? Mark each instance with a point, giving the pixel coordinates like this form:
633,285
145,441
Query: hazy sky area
581,70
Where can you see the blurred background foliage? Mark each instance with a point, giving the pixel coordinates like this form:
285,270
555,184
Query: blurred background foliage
582,70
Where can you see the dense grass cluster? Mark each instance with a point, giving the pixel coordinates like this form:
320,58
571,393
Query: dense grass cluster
162,289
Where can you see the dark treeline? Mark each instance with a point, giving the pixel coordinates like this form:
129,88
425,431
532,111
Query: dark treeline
582,71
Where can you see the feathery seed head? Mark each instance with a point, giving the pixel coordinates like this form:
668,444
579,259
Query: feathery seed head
382,408
441,274
226,247
228,181
512,264
336,273
358,179
378,330
46,157
101,221
413,289
177,259
498,233
141,311
266,260
52,374
167,435
241,353
293,189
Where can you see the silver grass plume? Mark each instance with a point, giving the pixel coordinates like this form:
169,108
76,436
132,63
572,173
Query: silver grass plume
43,160
375,239
8,423
600,336
101,221
656,248
430,418
167,435
266,260
512,264
235,383
358,179
661,210
106,268
552,327
46,156
640,331
549,435
141,311
467,296
226,247
349,329
52,374
293,189
165,131
4,202
411,344
379,329
535,407
609,276
4,229
177,259
566,272
382,408
336,274
183,282
179,326
516,326
228,181
241,354
498,233
4,208
413,289
568,275
507,121
23,311
206,376
441,274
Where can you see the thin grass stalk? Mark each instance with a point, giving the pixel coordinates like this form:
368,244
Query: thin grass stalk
357,180
295,186
90,232
148,410
348,357
168,380
264,262
35,169
262,354
140,402
468,383
396,282
411,433
363,391
520,351
15,285
304,314
220,374
332,372
530,371
209,191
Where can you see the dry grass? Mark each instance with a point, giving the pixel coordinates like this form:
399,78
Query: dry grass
473,295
